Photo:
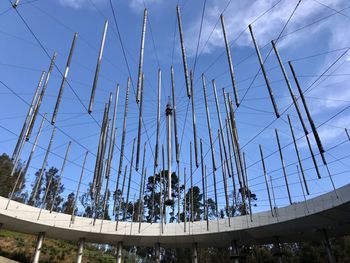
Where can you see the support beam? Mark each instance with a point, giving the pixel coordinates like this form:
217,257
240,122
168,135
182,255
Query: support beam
328,247
142,49
80,250
194,253
119,251
157,253
38,246
168,112
234,255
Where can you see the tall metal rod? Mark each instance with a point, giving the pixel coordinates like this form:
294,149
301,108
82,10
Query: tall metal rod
313,157
285,75
262,66
78,188
60,93
164,185
194,122
183,51
20,174
161,195
221,133
41,97
184,201
98,66
140,125
34,144
143,182
273,196
208,121
169,149
123,134
347,133
283,166
229,60
191,181
106,195
121,198
157,141
60,175
248,190
266,180
177,146
178,192
206,197
142,48
312,124
203,179
298,155
130,174
44,164
302,189
210,138
234,199
26,123
224,179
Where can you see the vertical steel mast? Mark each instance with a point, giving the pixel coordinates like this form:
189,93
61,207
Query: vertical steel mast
142,49
168,113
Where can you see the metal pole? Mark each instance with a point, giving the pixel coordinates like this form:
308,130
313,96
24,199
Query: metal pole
283,166
209,124
142,187
285,75
120,199
78,187
161,195
273,196
123,133
203,179
43,165
80,250
142,48
98,66
15,4
191,180
113,134
41,97
177,148
60,176
248,190
266,181
60,93
229,60
194,253
227,124
302,189
168,112
15,186
34,145
194,121
140,126
38,246
264,72
224,179
313,157
298,156
312,124
119,251
130,174
188,85
43,203
178,192
220,125
184,204
21,139
206,196
157,140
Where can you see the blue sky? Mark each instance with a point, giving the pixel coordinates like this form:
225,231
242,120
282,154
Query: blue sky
54,23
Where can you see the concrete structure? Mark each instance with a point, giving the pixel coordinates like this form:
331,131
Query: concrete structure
293,223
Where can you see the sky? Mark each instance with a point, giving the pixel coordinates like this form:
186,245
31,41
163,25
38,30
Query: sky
314,38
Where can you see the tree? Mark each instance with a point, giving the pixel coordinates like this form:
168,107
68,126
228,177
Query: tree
68,205
37,188
54,190
7,182
88,203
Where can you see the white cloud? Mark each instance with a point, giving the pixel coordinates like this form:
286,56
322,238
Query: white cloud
77,3
240,14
